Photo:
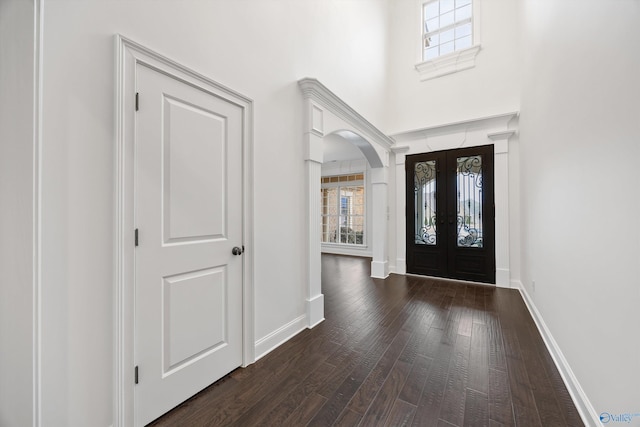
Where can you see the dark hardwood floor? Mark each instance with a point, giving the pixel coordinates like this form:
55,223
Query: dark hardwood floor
405,351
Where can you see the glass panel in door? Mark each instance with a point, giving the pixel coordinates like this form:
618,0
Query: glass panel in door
425,202
469,202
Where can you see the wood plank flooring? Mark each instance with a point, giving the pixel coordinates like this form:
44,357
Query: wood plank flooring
404,351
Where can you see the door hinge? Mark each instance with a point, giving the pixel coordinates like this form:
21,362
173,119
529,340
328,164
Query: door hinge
135,375
137,101
136,237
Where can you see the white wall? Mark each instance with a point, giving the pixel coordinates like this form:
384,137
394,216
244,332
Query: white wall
492,87
579,100
259,48
580,125
17,71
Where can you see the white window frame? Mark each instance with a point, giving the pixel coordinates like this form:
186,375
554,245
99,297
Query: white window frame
451,62
355,183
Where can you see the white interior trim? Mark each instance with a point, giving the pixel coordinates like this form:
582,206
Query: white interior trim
475,132
128,55
329,101
495,120
281,335
345,249
37,214
586,410
325,113
448,64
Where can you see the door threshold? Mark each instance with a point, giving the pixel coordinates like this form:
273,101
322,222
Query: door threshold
461,281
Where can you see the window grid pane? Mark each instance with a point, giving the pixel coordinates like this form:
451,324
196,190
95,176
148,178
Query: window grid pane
446,6
447,27
463,43
343,210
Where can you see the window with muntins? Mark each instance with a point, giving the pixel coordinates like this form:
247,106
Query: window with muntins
343,209
447,27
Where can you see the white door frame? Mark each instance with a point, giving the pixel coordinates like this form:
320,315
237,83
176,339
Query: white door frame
128,56
324,114
499,130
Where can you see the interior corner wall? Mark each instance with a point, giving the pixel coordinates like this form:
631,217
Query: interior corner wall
579,128
260,49
17,71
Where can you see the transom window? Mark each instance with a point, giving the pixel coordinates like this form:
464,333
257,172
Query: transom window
447,27
343,209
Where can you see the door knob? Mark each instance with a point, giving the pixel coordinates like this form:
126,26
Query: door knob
236,251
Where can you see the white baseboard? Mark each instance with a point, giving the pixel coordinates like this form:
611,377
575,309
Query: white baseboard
315,311
362,252
278,337
583,405
400,267
380,269
503,279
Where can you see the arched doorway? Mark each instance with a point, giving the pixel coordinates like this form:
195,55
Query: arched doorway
326,114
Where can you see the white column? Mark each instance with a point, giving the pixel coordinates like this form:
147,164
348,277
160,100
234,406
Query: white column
313,165
501,179
401,214
380,218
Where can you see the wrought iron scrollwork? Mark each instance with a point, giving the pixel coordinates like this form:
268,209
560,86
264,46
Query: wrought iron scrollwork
424,172
471,167
469,219
470,237
426,235
425,204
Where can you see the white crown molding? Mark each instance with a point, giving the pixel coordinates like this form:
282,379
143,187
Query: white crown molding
400,153
498,120
448,64
319,93
401,149
498,136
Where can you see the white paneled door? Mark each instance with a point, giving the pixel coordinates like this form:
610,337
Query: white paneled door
188,259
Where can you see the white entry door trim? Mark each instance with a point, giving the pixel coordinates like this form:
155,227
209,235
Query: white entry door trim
129,55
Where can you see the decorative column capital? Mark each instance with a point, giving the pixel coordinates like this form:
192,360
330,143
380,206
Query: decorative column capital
401,153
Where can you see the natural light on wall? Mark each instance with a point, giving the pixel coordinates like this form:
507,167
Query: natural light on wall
447,27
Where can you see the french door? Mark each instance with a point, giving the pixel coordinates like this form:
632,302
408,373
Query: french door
450,214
